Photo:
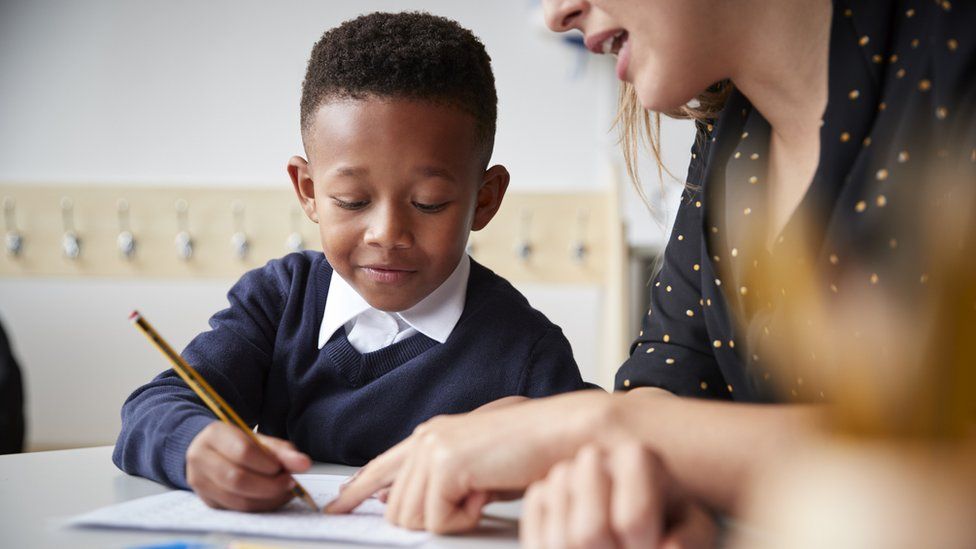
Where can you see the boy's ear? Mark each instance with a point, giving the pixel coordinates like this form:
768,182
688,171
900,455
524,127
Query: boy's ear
490,196
301,179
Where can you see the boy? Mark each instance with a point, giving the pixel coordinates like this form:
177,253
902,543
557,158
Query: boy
344,353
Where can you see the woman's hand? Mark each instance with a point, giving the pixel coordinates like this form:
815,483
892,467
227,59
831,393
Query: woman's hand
384,493
622,497
229,471
445,472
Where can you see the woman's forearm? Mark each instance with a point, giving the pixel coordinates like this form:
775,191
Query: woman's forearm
712,448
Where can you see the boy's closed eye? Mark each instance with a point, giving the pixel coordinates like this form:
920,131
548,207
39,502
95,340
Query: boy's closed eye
432,207
347,204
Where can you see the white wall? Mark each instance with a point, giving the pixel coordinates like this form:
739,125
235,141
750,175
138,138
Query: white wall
208,92
151,92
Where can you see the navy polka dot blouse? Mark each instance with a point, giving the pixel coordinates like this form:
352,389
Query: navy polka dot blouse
901,98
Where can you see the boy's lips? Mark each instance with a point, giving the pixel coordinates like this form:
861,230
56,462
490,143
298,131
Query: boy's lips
387,274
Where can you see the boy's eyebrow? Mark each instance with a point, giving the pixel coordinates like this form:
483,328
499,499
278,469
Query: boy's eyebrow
434,171
347,171
427,171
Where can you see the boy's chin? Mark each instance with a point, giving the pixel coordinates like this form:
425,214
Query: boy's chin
391,303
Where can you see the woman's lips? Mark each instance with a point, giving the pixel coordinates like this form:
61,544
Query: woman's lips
604,42
612,42
386,275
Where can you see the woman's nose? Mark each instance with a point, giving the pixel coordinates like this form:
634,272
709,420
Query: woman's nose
563,15
389,229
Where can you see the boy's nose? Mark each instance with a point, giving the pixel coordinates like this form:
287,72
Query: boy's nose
563,15
389,229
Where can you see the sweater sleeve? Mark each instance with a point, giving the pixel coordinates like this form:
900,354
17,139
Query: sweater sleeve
161,418
551,368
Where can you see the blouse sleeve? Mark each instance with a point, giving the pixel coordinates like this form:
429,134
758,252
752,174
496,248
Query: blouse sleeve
673,351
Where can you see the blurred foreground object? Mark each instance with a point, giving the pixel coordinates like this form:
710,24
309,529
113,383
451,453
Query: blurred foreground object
895,464
853,494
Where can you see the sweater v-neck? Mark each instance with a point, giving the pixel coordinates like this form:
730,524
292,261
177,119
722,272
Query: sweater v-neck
357,368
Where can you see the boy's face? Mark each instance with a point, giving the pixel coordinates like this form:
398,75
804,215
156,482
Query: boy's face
395,186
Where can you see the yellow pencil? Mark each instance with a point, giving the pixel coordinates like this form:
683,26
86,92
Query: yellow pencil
207,393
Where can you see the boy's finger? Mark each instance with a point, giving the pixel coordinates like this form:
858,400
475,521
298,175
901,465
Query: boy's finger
236,447
237,502
242,481
285,451
219,498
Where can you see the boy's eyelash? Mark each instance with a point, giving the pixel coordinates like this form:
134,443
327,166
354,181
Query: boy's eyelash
355,205
360,204
430,208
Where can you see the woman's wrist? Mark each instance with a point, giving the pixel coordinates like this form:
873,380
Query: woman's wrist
572,421
592,417
608,419
634,412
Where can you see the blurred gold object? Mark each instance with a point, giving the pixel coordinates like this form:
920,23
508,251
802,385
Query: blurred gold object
895,359
863,495
890,339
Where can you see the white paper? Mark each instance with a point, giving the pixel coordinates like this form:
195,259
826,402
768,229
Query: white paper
185,512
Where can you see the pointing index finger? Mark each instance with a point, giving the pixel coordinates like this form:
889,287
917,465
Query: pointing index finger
354,493
376,475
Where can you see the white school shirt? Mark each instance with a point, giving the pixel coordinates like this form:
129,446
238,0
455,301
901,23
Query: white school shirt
369,329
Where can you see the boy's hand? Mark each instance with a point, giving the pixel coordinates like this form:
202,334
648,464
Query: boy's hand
229,471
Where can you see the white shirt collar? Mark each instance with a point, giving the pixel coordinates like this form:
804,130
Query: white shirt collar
434,316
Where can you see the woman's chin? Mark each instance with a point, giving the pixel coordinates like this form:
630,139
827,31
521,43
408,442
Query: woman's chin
662,102
654,94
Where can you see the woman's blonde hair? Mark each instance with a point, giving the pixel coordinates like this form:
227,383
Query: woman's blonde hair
638,127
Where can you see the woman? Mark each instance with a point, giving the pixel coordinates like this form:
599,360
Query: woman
832,107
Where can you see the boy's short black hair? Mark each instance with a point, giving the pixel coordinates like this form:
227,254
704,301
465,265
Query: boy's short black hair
409,55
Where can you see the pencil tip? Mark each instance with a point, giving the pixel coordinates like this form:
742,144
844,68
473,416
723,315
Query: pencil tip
134,315
310,501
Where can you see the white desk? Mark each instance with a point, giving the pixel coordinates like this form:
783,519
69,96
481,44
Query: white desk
38,491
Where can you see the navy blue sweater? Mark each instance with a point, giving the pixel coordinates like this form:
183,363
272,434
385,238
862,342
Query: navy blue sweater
337,404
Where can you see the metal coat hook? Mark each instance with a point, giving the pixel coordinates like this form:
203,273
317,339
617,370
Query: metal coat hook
523,248
70,241
126,241
295,241
13,239
239,240
579,249
183,241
